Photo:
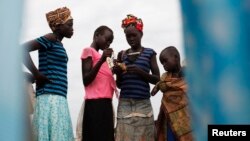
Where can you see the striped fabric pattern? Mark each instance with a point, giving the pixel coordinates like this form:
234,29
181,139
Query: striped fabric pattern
53,64
132,85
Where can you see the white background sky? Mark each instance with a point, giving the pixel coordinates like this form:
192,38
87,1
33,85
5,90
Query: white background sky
162,28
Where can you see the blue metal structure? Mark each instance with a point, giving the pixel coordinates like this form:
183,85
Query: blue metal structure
217,46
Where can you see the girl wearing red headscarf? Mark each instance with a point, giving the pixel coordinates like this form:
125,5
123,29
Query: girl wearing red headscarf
135,121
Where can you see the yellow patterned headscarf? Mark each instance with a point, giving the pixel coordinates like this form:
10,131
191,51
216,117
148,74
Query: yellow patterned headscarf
58,16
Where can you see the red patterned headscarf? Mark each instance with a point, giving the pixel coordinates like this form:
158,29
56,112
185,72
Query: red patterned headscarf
58,16
132,20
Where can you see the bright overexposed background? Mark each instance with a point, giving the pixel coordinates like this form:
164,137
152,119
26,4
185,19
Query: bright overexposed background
162,28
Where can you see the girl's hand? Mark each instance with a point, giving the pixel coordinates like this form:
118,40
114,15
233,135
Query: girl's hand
154,90
163,86
106,53
119,67
41,80
117,70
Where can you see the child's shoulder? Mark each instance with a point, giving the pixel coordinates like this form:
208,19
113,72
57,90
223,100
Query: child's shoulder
46,38
149,50
50,37
89,51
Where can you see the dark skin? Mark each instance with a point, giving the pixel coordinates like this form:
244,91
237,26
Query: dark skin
171,63
133,37
100,42
60,31
170,59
